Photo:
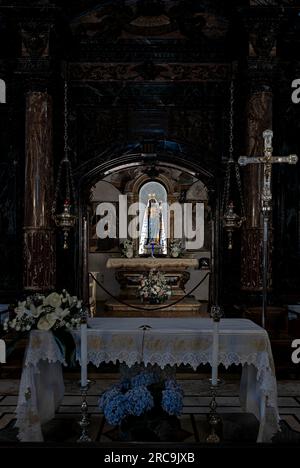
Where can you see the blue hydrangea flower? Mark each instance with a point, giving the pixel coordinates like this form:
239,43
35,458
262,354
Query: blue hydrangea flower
108,395
144,379
138,401
132,397
171,384
115,409
172,402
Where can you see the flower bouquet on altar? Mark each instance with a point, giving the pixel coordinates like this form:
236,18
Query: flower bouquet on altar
154,288
144,407
53,312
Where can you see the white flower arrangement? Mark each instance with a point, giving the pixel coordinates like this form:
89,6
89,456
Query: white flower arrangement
50,312
154,287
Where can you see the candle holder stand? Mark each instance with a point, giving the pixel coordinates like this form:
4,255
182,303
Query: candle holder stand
213,418
85,421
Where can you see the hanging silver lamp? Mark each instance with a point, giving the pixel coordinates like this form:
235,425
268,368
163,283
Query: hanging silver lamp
66,219
231,220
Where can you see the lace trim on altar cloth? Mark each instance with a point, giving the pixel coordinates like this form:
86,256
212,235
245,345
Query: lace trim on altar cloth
260,360
42,347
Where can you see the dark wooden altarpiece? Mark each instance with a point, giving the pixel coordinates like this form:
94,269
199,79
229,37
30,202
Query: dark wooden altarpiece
141,73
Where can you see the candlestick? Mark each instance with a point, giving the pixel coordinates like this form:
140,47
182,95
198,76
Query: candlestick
213,418
215,354
83,354
84,422
215,314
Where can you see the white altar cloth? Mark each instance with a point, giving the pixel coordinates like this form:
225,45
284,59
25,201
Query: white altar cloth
176,341
172,341
41,387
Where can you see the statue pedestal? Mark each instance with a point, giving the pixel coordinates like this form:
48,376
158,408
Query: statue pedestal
128,272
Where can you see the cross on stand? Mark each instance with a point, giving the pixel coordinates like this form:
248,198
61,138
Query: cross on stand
266,200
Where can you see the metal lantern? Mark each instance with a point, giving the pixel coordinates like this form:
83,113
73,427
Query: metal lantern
65,219
231,220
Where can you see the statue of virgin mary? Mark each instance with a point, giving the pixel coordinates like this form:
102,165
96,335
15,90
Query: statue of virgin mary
153,233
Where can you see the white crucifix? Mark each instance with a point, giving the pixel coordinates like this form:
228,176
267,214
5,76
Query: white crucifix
266,200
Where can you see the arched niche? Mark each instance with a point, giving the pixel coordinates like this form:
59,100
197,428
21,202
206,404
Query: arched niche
180,186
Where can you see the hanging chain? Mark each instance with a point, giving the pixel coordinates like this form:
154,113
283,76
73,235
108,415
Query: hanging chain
231,162
56,192
226,194
65,162
70,181
66,148
231,123
71,178
236,165
240,189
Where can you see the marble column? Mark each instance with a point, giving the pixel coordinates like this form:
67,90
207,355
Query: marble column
262,26
259,118
39,235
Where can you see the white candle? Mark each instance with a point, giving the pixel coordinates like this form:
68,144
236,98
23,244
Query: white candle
83,354
215,353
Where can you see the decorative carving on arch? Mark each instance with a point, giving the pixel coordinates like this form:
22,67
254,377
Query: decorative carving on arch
88,173
148,70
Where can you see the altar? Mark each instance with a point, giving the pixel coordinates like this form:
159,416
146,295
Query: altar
164,342
177,273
